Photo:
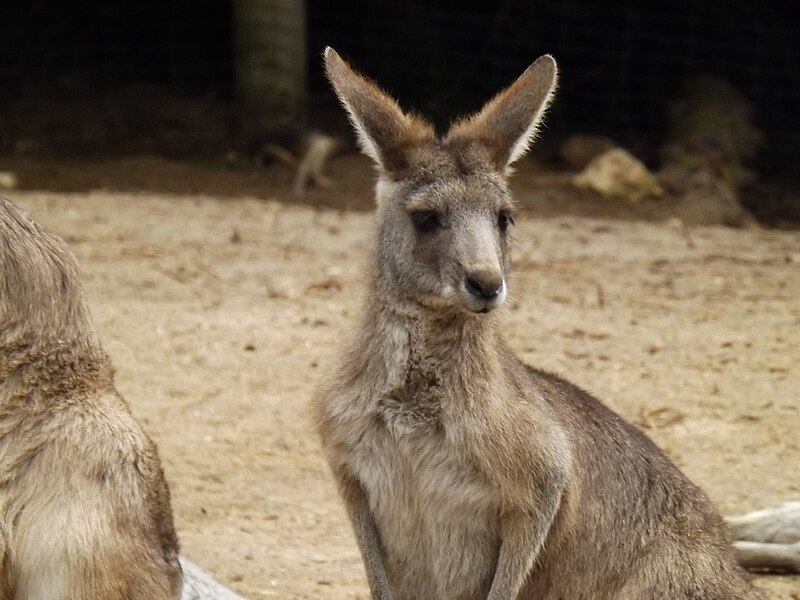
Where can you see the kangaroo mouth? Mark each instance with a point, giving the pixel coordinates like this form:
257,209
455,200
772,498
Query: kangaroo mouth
484,310
462,300
479,304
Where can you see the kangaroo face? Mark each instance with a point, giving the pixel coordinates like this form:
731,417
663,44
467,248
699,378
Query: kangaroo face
448,241
444,210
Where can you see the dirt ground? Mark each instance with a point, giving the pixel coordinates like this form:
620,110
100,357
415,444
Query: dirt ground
222,312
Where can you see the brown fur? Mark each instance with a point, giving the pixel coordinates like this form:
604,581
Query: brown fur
465,473
84,506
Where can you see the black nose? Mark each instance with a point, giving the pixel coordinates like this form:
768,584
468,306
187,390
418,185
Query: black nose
485,285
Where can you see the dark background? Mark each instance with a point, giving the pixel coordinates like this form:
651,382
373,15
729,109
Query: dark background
621,63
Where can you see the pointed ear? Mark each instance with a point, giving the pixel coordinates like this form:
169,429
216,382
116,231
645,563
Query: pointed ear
384,131
508,123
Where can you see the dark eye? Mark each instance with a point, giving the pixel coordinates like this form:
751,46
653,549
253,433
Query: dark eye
504,219
425,220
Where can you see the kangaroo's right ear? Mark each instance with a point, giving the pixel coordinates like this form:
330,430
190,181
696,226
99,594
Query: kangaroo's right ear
384,131
507,124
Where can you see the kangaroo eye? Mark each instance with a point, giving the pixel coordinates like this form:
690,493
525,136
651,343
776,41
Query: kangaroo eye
504,219
425,221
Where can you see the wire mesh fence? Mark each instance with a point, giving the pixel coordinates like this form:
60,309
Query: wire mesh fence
623,64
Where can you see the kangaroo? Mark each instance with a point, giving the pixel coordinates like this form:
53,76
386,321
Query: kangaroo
84,506
465,473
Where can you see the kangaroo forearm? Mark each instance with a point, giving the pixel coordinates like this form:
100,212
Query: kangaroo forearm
523,537
367,538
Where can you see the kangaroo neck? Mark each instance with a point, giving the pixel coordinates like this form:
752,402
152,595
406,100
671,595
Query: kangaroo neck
63,359
413,342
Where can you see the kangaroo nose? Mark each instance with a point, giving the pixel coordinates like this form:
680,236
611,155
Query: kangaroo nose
484,284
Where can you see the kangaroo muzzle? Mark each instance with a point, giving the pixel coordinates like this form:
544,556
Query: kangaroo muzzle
484,289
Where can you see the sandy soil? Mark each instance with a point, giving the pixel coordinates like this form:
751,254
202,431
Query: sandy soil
221,314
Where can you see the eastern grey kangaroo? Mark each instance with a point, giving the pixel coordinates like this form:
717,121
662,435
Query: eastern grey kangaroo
465,473
84,507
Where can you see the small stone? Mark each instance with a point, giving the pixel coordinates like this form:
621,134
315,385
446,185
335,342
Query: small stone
8,180
618,174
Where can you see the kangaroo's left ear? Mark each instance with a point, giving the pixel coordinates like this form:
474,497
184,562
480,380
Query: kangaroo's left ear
507,124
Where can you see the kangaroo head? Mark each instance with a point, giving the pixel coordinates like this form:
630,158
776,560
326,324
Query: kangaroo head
444,208
40,291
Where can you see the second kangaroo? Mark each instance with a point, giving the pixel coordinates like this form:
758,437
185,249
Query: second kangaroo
467,474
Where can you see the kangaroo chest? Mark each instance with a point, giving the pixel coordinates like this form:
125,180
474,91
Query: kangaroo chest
436,514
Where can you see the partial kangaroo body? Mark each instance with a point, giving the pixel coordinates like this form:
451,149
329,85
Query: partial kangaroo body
84,508
465,473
